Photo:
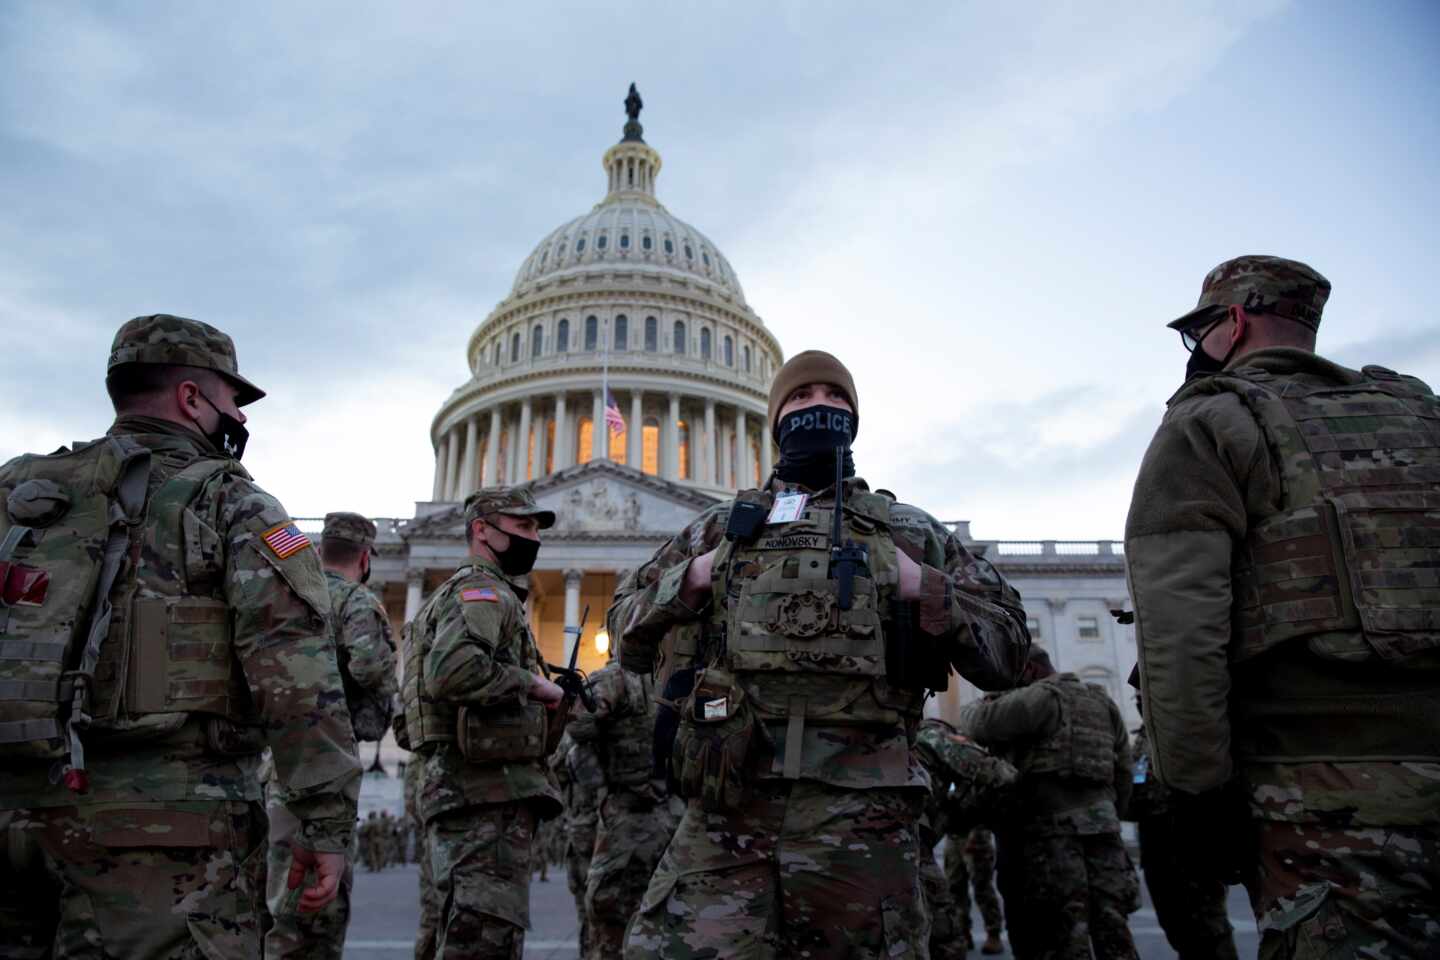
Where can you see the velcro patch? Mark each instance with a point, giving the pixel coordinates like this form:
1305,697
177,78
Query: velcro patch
479,595
285,540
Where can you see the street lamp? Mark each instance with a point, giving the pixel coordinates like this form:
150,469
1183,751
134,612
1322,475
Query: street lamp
602,642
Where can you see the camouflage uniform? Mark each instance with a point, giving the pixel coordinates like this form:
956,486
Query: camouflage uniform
1190,908
970,865
634,823
1067,880
1288,625
366,654
429,902
577,771
470,662
966,786
164,855
820,857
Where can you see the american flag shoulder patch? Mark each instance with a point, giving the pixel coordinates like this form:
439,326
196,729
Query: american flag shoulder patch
479,595
285,540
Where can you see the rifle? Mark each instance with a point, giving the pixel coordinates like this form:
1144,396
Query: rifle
846,556
571,678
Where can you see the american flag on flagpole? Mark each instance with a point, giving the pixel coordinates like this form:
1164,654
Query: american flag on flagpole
613,419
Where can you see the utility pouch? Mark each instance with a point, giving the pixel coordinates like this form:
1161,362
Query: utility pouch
713,747
667,722
508,732
226,738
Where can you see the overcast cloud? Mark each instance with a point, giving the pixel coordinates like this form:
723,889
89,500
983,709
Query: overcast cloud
988,210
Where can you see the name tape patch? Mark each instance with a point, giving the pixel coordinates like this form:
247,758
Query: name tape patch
479,595
794,541
285,540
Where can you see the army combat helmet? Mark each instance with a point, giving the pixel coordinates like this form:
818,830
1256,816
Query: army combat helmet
171,340
1274,285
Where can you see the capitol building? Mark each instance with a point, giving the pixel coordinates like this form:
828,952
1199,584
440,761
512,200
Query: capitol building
629,307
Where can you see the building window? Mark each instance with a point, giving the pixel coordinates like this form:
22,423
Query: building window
646,242
1089,628
530,452
562,337
584,440
515,347
689,254
729,352
550,445
745,358
495,353
683,432
706,257
624,241
580,245
592,332
680,337
650,446
669,247
537,341
600,242
652,334
622,331
704,343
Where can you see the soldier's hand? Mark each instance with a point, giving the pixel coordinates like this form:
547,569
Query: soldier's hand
697,588
909,575
328,867
545,692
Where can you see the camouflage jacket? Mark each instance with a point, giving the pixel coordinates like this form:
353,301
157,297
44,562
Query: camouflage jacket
968,786
576,770
620,730
482,653
1044,804
966,604
1207,476
366,648
283,645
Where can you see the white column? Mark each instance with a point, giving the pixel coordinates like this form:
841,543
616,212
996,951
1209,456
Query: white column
414,583
599,442
472,451
523,460
672,439
437,490
742,451
513,467
635,448
709,474
562,435
542,443
724,458
492,450
767,456
572,608
452,466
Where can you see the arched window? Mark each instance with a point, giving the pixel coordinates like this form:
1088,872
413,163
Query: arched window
729,352
592,332
745,358
683,431
515,347
652,334
600,242
562,337
622,331
537,341
669,247
689,253
650,446
624,241
704,343
646,242
580,245
680,337
706,257
584,441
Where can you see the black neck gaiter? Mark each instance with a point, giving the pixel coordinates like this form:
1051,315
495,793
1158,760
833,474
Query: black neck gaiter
808,439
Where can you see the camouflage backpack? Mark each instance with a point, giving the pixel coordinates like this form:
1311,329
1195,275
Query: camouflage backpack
64,531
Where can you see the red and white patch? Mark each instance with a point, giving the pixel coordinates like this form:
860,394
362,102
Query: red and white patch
479,595
285,540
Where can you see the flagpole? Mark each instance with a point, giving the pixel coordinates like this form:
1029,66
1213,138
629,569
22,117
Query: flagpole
605,387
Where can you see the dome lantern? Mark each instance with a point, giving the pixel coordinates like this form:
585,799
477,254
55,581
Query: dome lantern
632,164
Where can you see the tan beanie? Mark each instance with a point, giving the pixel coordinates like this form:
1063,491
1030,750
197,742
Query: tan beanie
812,366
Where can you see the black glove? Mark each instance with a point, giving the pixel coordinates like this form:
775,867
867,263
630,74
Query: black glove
1215,832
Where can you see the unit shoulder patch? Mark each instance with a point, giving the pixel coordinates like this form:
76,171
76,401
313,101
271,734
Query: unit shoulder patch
285,539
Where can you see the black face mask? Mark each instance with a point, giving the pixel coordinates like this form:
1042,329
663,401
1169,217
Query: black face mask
229,435
808,440
519,557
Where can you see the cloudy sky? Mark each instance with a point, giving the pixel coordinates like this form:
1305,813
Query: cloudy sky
989,210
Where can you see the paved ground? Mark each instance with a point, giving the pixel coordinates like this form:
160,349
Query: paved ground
384,911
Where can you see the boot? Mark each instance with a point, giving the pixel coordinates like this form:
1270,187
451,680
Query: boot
992,944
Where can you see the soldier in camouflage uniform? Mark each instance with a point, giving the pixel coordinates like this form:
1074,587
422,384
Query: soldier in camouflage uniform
970,865
967,785
1067,880
209,643
366,654
634,822
429,903
1282,562
793,740
477,709
577,772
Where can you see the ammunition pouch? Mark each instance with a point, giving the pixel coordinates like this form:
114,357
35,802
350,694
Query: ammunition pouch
714,745
510,732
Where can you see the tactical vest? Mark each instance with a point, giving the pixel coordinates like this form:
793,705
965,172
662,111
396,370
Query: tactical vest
628,750
1350,559
1082,747
112,620
798,656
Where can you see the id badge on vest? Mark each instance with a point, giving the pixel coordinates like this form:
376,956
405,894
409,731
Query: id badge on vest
788,508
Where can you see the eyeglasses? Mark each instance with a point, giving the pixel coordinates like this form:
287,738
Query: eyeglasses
1192,337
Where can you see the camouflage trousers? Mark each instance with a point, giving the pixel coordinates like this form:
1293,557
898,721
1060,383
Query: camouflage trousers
290,933
1364,892
631,834
179,881
1065,894
970,864
429,901
480,861
1191,909
579,848
801,869
949,936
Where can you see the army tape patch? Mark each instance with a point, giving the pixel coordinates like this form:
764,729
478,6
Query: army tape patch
479,595
286,540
